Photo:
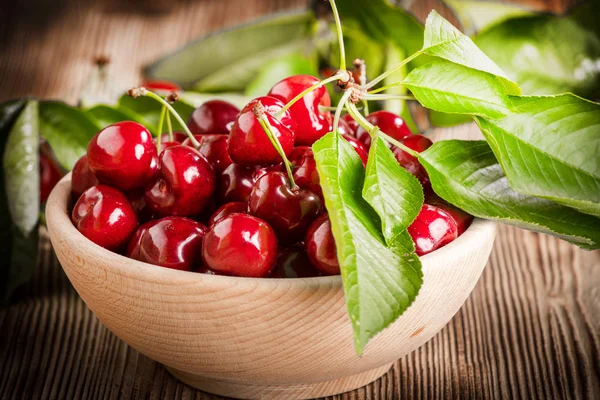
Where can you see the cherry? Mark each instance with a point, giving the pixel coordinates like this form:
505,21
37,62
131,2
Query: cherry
50,174
389,123
178,137
305,171
214,148
161,86
312,124
289,211
123,155
293,263
344,128
171,242
320,246
82,177
360,148
248,142
351,123
463,219
214,116
432,229
138,202
418,143
184,185
235,207
240,245
235,183
103,215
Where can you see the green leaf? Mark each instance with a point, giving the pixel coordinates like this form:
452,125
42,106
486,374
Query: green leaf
546,54
280,68
443,40
379,282
455,89
20,163
437,118
67,129
107,115
549,148
466,174
394,193
230,59
149,109
475,16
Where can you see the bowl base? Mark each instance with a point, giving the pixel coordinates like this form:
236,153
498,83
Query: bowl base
276,392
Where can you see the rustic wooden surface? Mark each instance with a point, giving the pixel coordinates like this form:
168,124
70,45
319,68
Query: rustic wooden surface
531,328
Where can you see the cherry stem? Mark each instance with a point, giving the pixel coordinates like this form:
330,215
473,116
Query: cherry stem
374,131
317,85
142,91
369,96
386,87
170,127
259,112
340,107
324,108
391,71
338,27
161,121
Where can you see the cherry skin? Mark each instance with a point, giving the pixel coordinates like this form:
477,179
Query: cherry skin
432,229
288,211
305,171
418,143
388,122
312,124
293,263
184,185
214,148
351,123
235,207
82,177
214,116
248,142
50,174
138,202
161,86
103,215
170,242
320,246
235,183
360,148
344,128
178,137
463,219
240,245
123,155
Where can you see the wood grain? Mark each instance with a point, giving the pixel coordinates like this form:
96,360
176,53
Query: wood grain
531,328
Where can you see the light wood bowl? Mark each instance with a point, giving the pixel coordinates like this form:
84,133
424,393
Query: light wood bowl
257,338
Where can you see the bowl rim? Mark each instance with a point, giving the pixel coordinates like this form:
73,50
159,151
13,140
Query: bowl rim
58,217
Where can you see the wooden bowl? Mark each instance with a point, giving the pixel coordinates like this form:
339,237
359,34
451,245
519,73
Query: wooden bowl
257,338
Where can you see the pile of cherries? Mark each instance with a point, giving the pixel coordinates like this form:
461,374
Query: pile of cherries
227,205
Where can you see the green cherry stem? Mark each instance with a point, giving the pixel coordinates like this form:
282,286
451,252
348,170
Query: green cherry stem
373,132
259,112
317,85
386,87
340,35
161,121
142,91
340,107
391,71
170,127
369,96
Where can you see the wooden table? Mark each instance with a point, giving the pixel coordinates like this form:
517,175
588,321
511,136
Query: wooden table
531,328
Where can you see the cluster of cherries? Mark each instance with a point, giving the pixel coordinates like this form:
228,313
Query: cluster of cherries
226,205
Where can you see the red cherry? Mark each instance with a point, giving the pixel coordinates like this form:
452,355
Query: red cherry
50,174
390,123
240,245
411,163
235,183
161,86
320,246
103,215
184,185
432,229
360,148
138,202
171,242
214,116
82,177
305,171
248,142
214,148
352,124
288,211
235,207
312,124
123,155
293,263
344,128
178,137
463,219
